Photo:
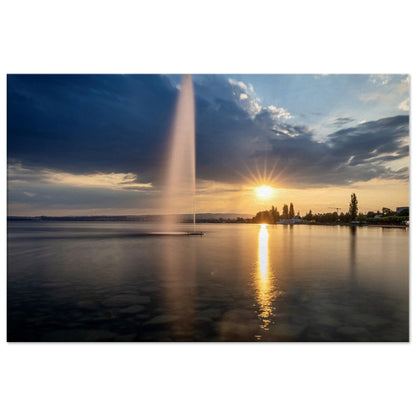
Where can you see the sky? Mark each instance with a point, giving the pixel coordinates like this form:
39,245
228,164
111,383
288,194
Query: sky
97,144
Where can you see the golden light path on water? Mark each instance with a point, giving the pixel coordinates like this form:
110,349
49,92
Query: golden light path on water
266,293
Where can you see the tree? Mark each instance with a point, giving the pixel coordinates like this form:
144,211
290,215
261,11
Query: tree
361,217
353,207
267,217
291,211
285,212
263,217
274,213
309,216
387,212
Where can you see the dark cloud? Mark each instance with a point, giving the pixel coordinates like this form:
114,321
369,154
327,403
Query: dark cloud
340,121
359,153
86,123
120,123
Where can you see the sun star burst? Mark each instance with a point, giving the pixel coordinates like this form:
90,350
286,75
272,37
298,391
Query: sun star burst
264,191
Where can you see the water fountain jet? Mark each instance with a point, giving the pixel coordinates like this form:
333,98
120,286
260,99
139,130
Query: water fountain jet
180,179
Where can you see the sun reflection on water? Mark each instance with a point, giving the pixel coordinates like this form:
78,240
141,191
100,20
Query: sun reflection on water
265,292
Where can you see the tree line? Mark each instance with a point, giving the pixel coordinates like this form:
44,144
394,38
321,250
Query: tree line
273,215
385,216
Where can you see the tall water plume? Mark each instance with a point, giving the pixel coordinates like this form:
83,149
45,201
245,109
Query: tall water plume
180,180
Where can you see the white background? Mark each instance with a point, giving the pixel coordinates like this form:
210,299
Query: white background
204,37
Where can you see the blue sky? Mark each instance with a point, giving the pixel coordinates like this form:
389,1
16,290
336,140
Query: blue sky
317,99
96,143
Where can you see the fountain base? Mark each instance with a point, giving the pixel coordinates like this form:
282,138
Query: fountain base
160,233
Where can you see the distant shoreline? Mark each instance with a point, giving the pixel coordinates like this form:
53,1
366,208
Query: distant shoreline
157,219
143,219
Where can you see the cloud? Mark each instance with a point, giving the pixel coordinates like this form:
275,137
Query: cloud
239,84
279,112
380,79
340,121
404,105
373,96
84,124
404,84
390,89
299,160
372,142
251,103
32,190
17,174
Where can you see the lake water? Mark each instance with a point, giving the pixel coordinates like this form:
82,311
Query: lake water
110,281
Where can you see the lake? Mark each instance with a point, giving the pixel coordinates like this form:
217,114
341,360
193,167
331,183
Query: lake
113,281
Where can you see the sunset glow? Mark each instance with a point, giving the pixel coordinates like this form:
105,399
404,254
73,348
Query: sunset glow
286,151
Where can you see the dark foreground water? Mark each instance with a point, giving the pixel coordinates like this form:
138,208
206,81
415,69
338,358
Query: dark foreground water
92,281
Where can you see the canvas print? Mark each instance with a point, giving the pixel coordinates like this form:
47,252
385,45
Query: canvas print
224,207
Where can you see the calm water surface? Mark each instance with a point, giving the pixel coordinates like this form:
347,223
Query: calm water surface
95,281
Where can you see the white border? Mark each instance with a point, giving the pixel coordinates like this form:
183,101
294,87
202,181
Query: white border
205,37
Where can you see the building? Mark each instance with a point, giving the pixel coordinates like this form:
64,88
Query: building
294,220
399,209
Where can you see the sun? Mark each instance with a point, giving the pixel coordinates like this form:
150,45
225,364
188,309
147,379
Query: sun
264,191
